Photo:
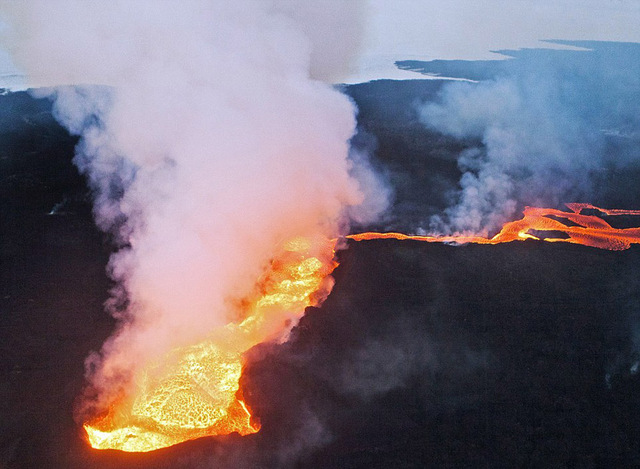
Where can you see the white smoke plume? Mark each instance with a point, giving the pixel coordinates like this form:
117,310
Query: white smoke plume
210,143
547,123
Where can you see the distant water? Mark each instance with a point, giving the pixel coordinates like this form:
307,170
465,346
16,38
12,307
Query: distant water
590,54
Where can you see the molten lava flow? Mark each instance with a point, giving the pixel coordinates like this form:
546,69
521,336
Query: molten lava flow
194,391
588,230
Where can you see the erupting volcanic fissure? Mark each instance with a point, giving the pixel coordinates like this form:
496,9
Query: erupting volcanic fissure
195,391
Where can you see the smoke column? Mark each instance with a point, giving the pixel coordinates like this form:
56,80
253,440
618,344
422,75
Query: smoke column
547,124
209,142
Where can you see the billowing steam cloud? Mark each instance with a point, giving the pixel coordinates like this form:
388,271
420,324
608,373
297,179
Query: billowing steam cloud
211,144
547,125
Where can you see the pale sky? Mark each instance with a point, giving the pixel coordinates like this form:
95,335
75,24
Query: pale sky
468,29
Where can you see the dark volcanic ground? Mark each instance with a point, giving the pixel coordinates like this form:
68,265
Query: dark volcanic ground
524,354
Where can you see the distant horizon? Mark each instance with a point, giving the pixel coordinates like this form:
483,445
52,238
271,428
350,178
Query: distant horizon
391,68
464,30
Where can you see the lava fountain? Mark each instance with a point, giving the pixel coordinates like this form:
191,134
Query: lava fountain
195,391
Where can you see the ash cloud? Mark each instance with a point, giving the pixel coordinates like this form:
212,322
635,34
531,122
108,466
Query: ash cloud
542,127
209,141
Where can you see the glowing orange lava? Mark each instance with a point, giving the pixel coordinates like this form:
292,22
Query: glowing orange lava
588,230
194,391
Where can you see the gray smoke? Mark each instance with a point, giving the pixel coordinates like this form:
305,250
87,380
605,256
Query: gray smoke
207,140
546,125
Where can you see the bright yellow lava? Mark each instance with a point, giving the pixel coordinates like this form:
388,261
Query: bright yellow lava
194,391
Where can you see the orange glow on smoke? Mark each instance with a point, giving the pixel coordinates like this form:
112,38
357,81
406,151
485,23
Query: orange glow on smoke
195,391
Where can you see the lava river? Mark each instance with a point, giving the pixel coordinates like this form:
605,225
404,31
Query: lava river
194,391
